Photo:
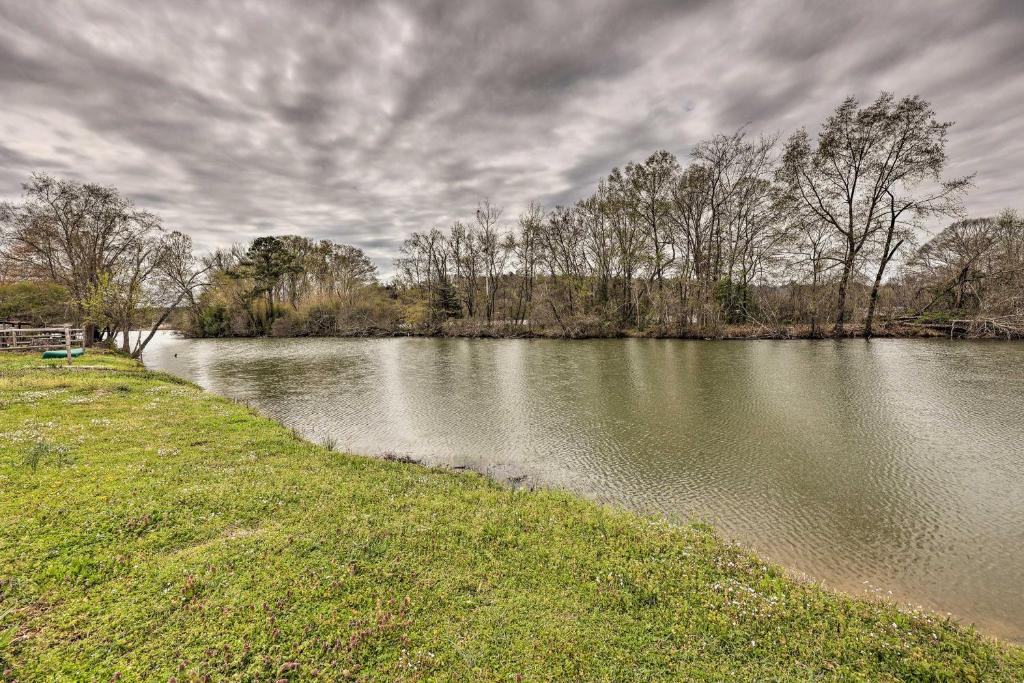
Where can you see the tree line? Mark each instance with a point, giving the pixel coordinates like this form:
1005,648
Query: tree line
751,236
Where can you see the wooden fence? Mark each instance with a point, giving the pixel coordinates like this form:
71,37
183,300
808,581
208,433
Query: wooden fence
40,338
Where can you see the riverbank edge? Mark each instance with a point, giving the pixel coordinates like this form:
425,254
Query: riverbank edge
822,633
730,333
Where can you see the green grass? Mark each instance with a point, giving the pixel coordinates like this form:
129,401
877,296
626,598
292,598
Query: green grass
151,531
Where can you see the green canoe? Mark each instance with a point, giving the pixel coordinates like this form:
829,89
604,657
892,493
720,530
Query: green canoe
75,353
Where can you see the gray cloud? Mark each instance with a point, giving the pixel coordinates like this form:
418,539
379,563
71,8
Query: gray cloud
362,121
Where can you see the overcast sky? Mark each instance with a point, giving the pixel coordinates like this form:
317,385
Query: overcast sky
363,121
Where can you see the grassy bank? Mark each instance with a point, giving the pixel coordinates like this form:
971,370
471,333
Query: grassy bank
149,530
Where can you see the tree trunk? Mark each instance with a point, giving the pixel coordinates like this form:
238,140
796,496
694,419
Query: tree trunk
869,321
839,328
125,334
160,321
886,257
814,299
89,334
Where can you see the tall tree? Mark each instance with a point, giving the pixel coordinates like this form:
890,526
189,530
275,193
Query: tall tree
869,163
649,185
492,253
525,250
268,260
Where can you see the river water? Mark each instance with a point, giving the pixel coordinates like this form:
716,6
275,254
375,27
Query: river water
891,467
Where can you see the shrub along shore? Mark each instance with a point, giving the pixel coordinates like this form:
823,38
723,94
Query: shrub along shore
153,531
971,330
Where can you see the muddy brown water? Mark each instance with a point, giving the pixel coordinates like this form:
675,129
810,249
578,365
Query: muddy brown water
891,467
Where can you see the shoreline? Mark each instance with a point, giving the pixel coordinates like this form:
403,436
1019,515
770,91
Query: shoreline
727,333
854,590
181,454
496,334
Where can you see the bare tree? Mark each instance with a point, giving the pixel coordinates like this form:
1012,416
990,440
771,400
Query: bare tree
649,186
178,274
492,252
78,235
975,264
867,162
524,249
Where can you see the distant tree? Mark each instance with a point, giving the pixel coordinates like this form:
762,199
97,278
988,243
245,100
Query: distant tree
599,246
870,169
812,253
493,253
350,270
974,264
561,239
465,257
524,250
267,260
630,243
649,185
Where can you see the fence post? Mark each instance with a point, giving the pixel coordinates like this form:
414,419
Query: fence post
67,342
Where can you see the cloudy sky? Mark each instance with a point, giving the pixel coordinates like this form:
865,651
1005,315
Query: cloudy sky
363,121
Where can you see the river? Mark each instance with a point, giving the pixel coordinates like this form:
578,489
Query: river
890,467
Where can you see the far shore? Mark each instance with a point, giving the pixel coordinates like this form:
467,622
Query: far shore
727,333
